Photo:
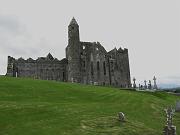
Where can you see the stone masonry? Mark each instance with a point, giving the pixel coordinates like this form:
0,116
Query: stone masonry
85,62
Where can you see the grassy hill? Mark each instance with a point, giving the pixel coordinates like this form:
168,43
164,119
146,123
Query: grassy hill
36,107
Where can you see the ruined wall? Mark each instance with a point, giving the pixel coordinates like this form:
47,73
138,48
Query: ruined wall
119,70
11,66
94,64
99,67
42,68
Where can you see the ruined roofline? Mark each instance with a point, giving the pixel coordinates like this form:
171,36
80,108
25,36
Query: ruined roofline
94,44
11,58
39,59
120,50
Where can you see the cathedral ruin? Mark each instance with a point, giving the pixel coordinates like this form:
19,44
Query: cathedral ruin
85,62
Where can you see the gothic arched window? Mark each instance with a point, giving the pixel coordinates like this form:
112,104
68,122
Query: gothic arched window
92,69
104,67
98,68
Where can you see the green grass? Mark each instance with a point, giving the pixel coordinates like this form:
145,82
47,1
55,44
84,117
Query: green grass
36,107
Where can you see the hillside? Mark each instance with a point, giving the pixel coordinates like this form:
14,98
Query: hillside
36,107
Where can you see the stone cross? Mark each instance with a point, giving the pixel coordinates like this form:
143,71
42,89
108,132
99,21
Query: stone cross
134,84
169,128
145,85
149,85
169,112
155,85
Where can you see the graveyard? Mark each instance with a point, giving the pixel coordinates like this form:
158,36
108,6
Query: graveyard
39,107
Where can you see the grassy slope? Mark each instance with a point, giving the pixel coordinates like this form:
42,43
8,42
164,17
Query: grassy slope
35,107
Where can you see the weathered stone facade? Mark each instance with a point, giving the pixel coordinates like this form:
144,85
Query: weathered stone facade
85,62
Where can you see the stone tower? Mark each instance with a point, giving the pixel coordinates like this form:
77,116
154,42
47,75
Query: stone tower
73,52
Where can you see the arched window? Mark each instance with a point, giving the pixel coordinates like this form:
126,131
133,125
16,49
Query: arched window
104,67
98,68
63,76
92,69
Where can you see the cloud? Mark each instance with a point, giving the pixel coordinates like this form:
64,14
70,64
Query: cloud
10,25
11,30
16,41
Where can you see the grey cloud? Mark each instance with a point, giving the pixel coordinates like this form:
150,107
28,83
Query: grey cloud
16,41
15,38
10,25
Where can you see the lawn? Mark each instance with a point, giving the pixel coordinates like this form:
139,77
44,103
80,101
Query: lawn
37,107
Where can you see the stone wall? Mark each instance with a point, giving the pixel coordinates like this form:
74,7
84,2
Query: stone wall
42,68
119,68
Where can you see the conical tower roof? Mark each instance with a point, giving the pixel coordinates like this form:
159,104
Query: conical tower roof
73,21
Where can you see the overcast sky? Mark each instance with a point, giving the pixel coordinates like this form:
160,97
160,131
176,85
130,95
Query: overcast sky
150,29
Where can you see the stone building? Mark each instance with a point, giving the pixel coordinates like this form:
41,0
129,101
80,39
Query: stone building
85,62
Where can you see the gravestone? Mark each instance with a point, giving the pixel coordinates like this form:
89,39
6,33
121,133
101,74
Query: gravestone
121,117
177,106
134,84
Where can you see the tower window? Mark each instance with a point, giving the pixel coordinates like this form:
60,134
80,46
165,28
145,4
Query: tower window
72,28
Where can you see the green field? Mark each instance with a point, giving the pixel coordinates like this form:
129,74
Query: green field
36,107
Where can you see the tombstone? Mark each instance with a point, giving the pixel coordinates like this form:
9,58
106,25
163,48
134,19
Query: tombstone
169,128
134,84
155,85
121,117
72,80
177,106
140,87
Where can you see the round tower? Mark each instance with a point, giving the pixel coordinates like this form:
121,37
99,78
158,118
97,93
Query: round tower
73,51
